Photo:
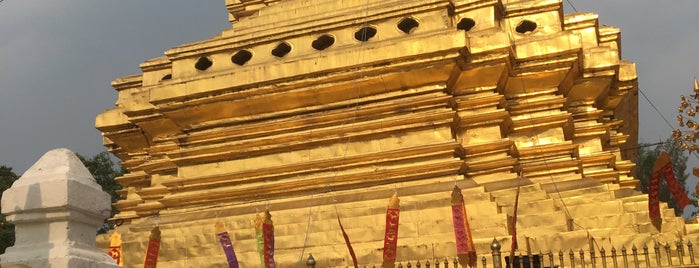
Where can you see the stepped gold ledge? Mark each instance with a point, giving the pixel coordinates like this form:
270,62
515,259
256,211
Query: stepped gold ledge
340,113
489,147
334,123
382,85
490,164
113,120
336,62
561,120
606,159
468,119
415,111
532,105
581,20
267,145
334,164
547,46
321,16
522,8
475,80
541,151
133,178
316,185
468,5
478,101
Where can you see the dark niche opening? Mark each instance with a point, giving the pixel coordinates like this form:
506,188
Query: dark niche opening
203,63
365,33
281,50
241,57
323,42
466,24
408,25
526,26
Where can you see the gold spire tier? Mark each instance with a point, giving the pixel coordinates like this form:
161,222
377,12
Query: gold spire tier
321,109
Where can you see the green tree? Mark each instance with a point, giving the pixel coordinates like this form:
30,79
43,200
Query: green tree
644,166
7,230
104,170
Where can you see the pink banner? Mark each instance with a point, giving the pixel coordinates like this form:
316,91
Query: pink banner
462,245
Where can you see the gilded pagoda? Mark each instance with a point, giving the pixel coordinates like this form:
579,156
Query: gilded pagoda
321,109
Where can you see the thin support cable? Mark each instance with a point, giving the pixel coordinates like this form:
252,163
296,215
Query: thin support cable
656,109
663,117
308,231
538,142
571,5
354,119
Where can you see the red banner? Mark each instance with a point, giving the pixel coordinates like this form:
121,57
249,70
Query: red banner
675,187
151,260
115,247
664,165
268,237
390,240
348,243
653,195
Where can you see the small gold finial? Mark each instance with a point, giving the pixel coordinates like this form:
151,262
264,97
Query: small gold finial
394,202
219,227
258,221
268,216
456,196
155,234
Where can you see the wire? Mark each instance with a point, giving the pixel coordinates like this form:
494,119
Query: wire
360,75
664,119
571,5
656,109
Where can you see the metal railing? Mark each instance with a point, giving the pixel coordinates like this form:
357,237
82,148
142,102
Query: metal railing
661,255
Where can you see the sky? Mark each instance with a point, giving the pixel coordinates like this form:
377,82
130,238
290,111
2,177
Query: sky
58,58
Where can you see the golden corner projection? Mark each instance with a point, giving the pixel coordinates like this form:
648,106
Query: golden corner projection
321,109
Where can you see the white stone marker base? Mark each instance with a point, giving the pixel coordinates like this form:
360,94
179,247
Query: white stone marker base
56,207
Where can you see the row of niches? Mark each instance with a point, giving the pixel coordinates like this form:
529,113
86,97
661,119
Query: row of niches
365,33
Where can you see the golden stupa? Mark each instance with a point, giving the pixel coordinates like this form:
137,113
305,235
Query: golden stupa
322,109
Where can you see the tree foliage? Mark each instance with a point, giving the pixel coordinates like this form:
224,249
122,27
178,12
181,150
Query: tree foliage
7,230
644,165
104,170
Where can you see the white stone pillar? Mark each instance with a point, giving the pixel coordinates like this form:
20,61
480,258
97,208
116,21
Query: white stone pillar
56,207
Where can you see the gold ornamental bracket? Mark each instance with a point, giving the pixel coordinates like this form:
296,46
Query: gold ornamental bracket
688,131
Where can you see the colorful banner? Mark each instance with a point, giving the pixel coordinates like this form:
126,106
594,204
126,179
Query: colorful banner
653,195
348,243
675,188
465,249
513,224
115,248
664,165
151,260
390,242
260,241
268,237
225,240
